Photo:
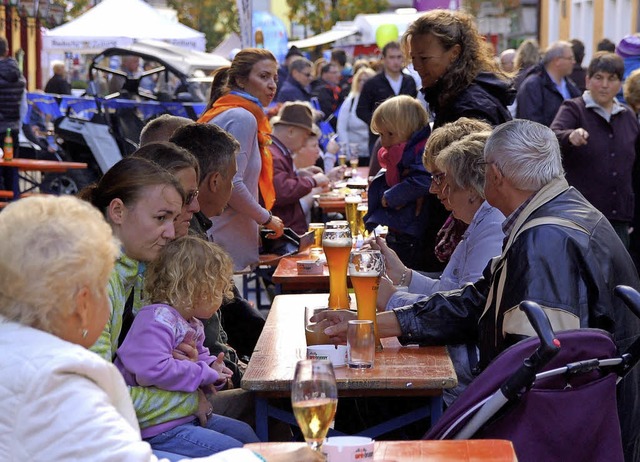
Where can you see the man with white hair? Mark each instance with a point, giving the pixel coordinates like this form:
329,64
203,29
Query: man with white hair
58,83
559,252
547,86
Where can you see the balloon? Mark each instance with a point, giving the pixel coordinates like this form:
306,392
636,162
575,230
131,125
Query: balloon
386,33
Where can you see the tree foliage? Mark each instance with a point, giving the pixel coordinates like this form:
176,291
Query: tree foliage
321,15
215,18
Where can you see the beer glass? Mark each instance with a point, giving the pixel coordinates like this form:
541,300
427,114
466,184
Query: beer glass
361,211
314,398
361,343
336,244
314,331
317,229
365,269
351,203
353,158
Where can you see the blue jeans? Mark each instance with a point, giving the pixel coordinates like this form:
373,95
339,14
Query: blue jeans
191,440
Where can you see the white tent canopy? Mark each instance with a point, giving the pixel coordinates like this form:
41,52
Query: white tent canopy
117,23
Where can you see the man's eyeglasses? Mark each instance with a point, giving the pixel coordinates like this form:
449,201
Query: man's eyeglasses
191,196
438,178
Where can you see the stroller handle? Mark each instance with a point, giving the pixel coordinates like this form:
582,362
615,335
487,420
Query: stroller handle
630,297
524,377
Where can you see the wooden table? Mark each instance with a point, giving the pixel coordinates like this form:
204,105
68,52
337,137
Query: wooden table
18,165
399,371
418,451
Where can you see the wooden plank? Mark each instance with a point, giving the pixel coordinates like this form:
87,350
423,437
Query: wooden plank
418,451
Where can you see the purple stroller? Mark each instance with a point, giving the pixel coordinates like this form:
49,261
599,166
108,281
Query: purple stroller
559,405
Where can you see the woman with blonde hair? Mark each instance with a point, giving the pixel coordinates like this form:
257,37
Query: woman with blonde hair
459,75
351,129
239,94
527,57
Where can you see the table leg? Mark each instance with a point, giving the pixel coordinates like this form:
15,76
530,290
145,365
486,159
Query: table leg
15,180
262,419
436,409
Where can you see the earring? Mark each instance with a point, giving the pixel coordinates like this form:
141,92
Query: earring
85,332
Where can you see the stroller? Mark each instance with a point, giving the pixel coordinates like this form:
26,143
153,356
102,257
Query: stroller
559,405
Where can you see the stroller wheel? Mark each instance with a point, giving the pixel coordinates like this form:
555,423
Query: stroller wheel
66,183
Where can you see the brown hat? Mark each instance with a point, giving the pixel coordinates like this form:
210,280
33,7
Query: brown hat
295,114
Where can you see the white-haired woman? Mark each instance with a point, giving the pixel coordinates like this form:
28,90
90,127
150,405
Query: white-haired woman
460,181
59,401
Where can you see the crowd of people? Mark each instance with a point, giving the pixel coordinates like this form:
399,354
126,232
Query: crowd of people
483,212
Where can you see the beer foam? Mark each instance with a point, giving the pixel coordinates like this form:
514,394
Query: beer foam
353,199
362,274
340,242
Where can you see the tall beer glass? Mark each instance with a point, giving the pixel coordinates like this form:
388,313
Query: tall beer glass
351,203
365,269
336,243
314,398
361,211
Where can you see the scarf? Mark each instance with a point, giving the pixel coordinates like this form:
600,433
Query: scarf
237,99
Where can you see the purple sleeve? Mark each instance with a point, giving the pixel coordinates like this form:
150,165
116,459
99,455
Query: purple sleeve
147,354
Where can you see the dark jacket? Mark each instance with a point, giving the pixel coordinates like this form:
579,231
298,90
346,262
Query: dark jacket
570,269
486,98
539,99
329,97
291,90
375,91
12,85
406,211
578,76
58,85
289,188
601,169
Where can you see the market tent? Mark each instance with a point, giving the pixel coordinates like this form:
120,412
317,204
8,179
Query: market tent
362,30
117,23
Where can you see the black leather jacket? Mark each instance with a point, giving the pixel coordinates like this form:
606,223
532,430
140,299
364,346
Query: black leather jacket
570,267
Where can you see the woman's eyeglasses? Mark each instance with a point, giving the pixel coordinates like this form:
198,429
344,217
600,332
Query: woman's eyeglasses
191,196
438,178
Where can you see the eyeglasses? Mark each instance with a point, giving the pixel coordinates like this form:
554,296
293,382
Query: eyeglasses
438,178
191,196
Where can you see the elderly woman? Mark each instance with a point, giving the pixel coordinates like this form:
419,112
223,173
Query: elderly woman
598,137
461,182
58,400
459,75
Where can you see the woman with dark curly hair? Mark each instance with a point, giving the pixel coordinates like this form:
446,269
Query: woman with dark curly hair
459,75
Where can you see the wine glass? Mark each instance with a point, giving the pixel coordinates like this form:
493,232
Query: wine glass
314,398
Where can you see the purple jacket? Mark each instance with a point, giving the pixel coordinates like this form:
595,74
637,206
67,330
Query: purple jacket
601,169
289,188
145,357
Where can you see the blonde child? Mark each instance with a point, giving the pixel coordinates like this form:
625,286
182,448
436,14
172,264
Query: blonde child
398,194
188,281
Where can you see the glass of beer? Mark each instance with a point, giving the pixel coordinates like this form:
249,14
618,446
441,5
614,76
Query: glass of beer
365,269
353,158
361,211
314,398
336,244
314,331
351,203
317,229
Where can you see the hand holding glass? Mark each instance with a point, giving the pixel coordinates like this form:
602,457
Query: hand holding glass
314,398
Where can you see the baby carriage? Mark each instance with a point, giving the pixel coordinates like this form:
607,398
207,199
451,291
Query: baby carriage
559,405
